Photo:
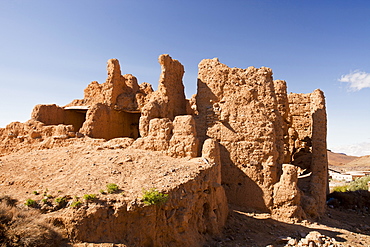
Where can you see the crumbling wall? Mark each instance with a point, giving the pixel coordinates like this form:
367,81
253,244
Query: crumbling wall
287,195
55,115
32,135
48,114
121,107
308,146
114,107
118,90
175,138
35,130
260,128
283,108
105,122
169,100
238,108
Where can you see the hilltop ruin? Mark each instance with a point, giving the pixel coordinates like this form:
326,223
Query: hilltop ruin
271,145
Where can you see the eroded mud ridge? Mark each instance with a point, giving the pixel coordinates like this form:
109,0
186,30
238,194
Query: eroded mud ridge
258,147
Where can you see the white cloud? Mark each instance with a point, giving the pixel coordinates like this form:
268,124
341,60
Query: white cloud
359,149
357,80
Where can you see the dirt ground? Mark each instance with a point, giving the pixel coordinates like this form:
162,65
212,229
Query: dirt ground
347,227
81,169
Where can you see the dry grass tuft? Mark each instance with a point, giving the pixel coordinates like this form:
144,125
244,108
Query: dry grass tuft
25,227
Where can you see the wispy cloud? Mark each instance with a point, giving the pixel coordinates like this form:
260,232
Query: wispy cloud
357,80
358,149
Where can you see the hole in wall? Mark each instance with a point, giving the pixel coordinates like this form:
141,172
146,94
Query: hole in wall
75,117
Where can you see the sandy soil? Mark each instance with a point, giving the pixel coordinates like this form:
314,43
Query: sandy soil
77,170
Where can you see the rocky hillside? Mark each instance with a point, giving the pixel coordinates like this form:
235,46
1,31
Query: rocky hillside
345,162
338,159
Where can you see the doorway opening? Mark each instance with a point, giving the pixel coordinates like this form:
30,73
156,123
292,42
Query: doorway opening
75,116
131,124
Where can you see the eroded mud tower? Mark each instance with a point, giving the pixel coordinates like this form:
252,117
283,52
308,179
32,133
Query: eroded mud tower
272,144
260,128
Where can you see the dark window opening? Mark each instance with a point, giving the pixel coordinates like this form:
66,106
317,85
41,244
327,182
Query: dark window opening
75,118
131,124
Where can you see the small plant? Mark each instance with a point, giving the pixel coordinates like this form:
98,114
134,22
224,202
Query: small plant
46,192
101,191
44,200
60,200
112,188
76,204
154,197
35,192
89,197
48,196
30,203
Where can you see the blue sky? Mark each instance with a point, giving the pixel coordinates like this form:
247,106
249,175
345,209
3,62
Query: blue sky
51,50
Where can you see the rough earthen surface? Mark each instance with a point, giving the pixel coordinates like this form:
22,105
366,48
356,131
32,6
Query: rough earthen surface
260,127
308,147
195,211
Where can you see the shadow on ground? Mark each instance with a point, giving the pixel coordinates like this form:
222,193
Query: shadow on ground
253,229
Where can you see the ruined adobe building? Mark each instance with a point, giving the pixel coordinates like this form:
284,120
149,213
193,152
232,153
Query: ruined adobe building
266,136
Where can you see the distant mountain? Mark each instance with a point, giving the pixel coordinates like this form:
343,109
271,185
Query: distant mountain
345,162
363,161
339,159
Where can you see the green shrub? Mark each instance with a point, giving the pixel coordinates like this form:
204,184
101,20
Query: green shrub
154,197
44,200
76,204
30,203
342,188
359,184
88,197
35,192
112,188
101,191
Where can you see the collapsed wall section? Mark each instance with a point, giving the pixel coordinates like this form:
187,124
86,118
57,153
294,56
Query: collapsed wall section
308,146
175,138
55,115
169,100
262,130
104,122
238,108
